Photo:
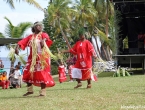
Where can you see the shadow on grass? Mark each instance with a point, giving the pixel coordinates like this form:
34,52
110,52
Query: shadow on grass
143,93
66,89
15,97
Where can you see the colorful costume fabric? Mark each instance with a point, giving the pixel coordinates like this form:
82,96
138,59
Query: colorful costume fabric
70,71
39,75
61,72
83,66
4,83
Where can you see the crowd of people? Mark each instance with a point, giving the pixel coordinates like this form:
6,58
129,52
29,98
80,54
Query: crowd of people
12,80
37,70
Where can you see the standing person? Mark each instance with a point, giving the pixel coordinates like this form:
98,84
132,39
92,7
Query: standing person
37,69
15,77
61,72
21,70
84,51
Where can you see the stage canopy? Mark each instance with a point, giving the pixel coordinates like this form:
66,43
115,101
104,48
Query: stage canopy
132,19
6,41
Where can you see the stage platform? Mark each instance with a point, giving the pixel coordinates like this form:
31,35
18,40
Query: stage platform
131,61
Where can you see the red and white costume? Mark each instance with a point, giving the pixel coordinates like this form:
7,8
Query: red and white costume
83,66
39,75
61,72
70,71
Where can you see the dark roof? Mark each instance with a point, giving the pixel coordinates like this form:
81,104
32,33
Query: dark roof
6,41
123,1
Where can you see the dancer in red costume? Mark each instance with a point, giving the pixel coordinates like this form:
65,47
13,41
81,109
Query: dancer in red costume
83,67
61,72
34,72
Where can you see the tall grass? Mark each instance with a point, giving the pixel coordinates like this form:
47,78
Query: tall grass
108,93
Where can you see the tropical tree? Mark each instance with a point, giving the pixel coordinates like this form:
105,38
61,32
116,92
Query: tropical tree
58,12
31,2
55,37
105,10
86,17
86,13
12,31
1,35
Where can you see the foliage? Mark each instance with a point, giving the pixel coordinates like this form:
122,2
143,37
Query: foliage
115,33
58,42
86,13
121,72
1,35
31,2
16,31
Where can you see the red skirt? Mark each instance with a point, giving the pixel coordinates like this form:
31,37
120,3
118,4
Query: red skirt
38,76
62,77
86,74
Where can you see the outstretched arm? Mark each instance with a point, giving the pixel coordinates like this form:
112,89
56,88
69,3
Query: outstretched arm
17,50
65,51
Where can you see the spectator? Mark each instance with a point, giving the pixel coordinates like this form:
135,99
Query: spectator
21,70
4,82
15,77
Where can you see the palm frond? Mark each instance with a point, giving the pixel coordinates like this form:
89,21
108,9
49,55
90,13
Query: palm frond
11,3
33,2
1,35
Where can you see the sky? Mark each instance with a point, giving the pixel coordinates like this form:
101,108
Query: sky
23,12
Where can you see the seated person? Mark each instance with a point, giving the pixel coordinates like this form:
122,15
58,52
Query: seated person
15,77
4,82
1,68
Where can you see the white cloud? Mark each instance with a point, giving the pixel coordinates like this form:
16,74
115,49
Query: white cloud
17,18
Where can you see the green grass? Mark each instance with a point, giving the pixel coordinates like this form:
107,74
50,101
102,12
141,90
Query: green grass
108,93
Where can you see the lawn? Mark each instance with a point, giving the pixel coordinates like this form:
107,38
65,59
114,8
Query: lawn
108,93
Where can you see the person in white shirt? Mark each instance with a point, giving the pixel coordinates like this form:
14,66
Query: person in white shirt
16,77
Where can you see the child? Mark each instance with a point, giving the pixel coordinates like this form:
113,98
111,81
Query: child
16,77
61,72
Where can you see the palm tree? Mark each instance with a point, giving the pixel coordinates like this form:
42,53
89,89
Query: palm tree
86,17
86,13
105,10
12,31
31,2
16,31
58,12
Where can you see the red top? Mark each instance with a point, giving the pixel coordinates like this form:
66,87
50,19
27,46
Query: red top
84,51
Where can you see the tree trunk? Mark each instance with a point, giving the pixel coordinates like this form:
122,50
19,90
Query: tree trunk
97,47
106,30
105,52
12,66
64,36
